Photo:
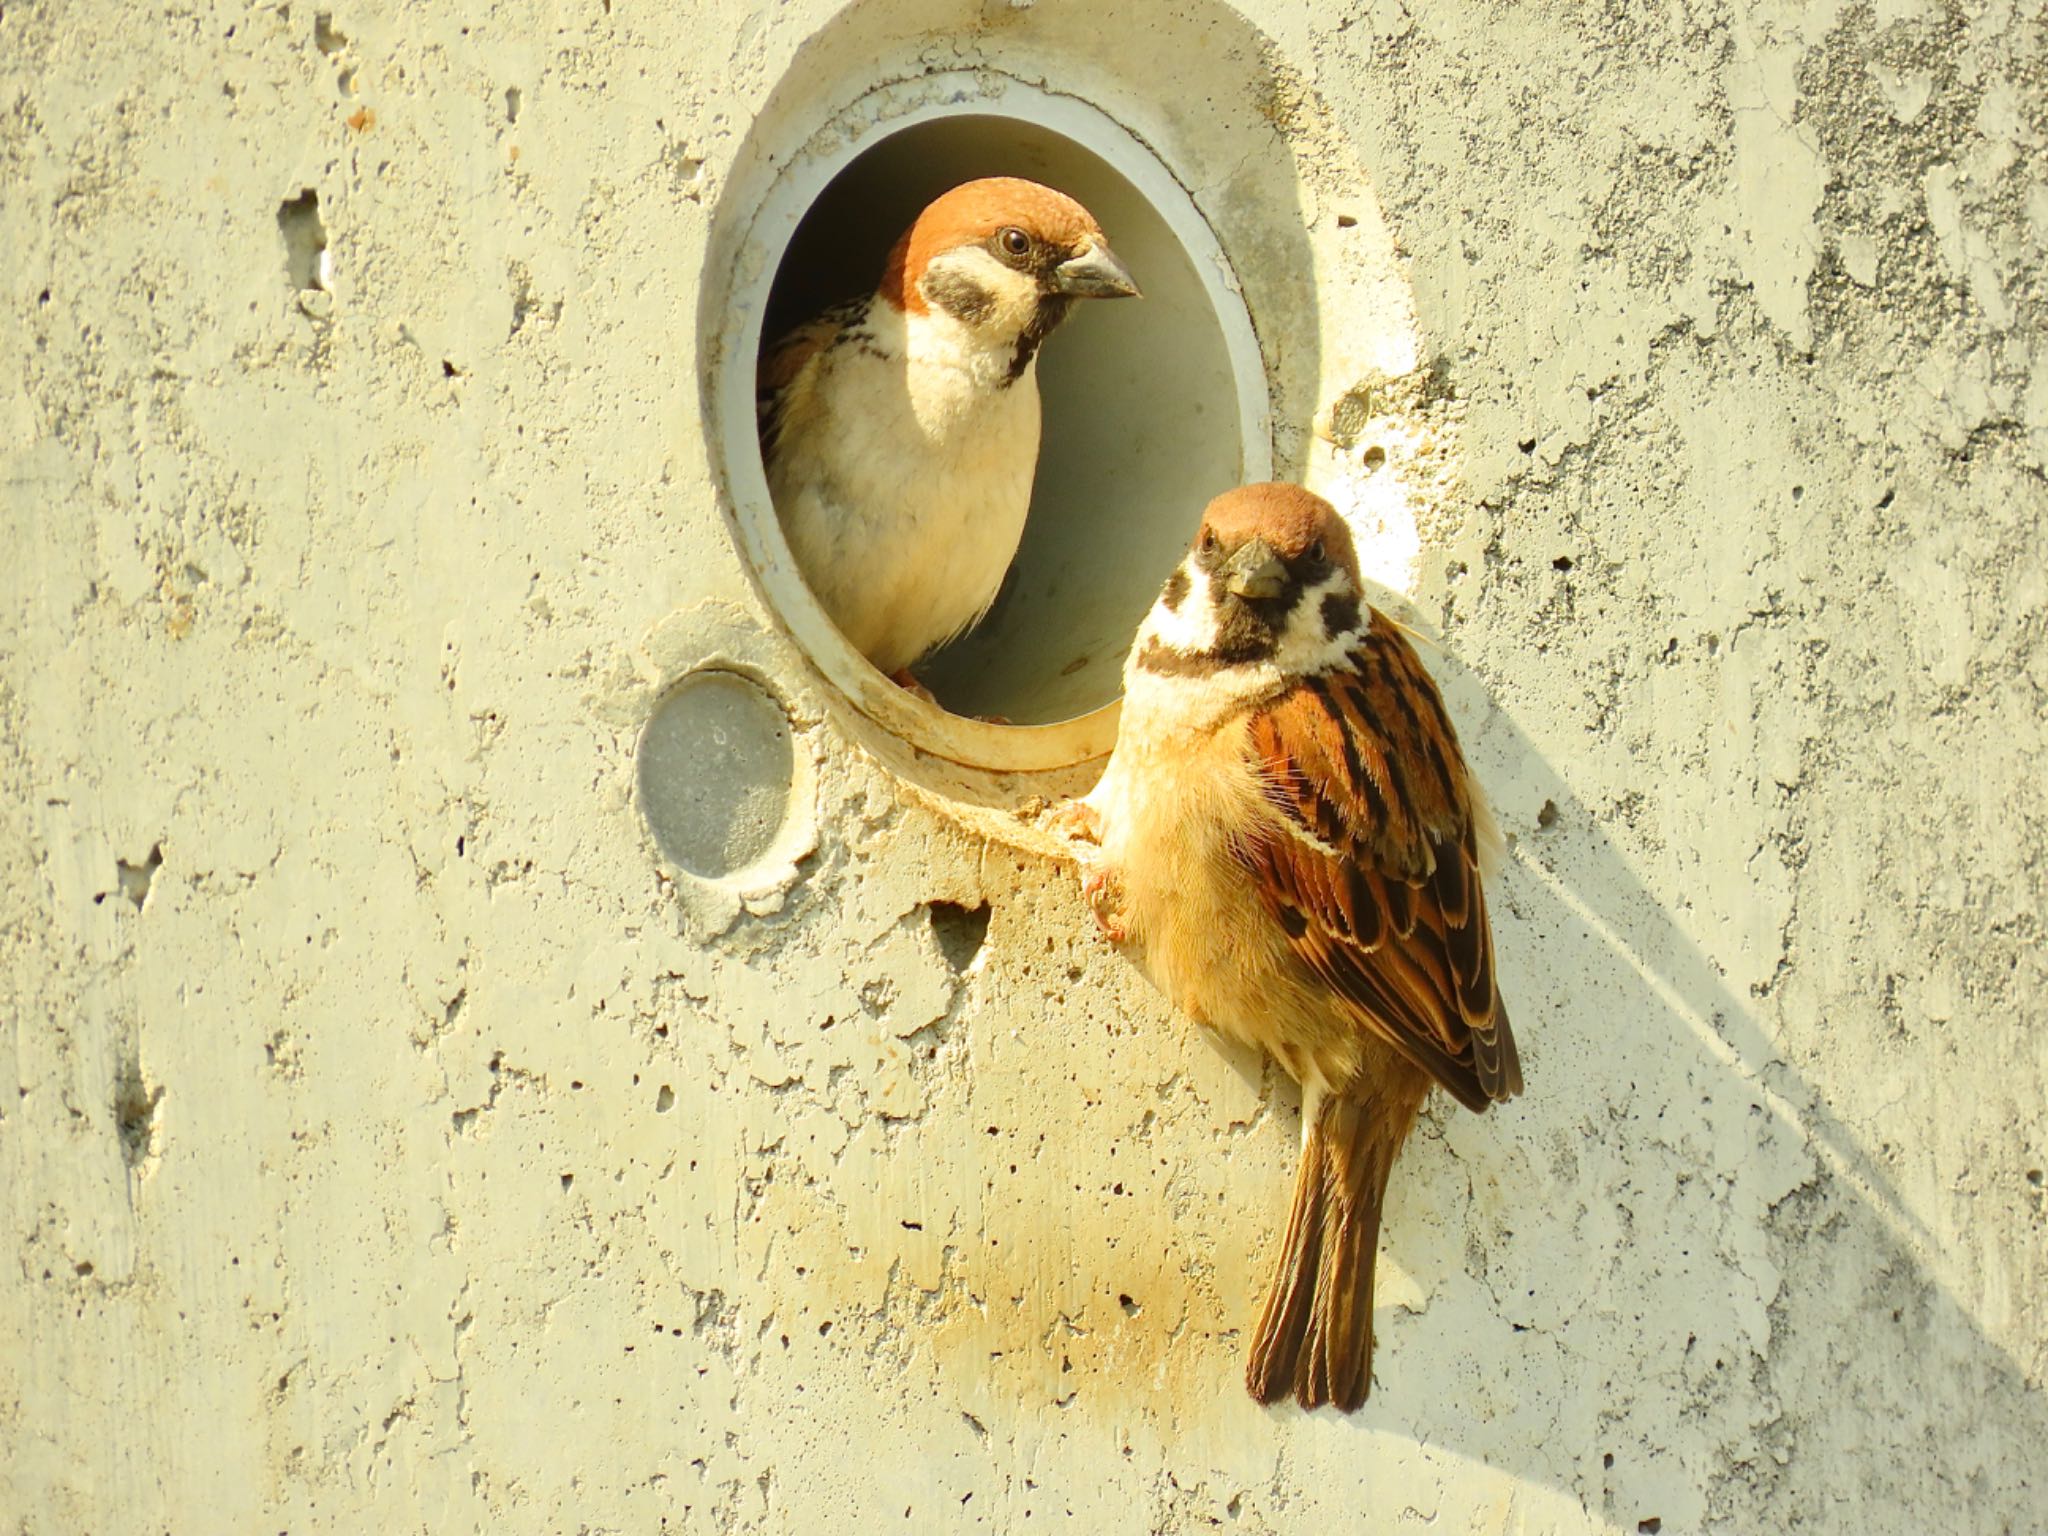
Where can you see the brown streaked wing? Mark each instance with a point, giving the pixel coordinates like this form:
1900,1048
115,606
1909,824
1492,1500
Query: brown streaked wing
783,364
1377,885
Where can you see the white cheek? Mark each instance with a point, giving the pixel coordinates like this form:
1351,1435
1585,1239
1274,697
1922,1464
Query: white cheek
1192,626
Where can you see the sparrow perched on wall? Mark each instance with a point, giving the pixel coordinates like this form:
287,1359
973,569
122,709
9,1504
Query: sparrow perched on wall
1287,840
900,430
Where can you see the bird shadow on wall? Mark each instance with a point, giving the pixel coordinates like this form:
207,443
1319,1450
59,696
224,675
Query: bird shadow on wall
1697,1271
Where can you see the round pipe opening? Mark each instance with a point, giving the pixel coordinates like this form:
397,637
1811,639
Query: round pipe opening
1150,406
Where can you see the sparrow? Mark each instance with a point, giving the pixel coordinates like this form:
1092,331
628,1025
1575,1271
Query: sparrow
1287,841
900,430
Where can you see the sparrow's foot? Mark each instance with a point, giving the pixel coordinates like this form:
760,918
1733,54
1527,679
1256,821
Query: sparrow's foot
902,679
1104,894
1079,825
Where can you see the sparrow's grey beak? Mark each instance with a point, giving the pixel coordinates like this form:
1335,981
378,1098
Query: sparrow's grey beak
1094,274
1255,571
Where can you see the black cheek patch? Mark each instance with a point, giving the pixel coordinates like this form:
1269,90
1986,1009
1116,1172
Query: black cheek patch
1175,591
1340,614
959,296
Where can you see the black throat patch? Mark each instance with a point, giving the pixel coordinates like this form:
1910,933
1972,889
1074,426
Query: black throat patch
1249,629
1045,319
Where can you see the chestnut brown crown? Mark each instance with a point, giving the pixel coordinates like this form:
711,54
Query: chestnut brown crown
1291,519
1056,227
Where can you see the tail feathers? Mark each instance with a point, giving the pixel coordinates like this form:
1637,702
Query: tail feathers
1283,1324
1314,1337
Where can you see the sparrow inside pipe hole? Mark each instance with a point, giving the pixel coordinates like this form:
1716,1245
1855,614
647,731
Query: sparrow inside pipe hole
900,429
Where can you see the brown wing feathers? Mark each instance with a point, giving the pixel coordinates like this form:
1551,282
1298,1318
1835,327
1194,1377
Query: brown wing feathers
1381,897
1388,989
782,365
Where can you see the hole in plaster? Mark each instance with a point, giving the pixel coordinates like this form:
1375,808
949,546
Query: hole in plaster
512,103
1350,416
664,1100
1650,1527
960,931
135,1114
305,241
1561,563
135,879
1375,457
327,37
1131,1308
1547,817
716,772
1149,407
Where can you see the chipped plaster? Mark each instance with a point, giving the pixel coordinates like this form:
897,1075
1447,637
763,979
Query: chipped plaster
391,1141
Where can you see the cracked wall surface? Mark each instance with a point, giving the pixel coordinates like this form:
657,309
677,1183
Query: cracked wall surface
389,1142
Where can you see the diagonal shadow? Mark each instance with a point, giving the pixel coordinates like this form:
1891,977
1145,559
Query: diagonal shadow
1689,1294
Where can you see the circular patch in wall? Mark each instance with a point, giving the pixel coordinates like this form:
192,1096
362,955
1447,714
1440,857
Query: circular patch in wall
716,772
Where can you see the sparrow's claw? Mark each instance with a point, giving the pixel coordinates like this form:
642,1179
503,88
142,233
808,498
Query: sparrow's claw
1104,894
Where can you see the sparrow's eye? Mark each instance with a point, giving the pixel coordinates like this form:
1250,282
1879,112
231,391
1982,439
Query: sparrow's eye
1315,552
1015,242
1207,540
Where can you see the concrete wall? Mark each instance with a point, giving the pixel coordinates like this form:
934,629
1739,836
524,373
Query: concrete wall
391,1141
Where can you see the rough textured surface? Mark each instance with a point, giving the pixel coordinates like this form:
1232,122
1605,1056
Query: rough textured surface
388,1144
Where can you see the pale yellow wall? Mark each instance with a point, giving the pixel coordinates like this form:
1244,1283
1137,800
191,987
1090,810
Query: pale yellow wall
388,1142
